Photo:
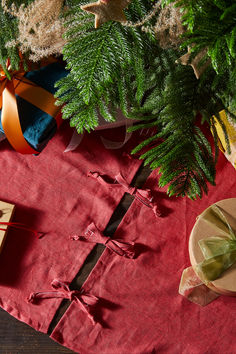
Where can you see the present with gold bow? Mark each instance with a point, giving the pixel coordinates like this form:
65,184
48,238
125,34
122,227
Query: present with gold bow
212,249
222,121
29,117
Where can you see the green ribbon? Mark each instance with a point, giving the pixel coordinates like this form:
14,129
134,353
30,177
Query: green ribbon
219,251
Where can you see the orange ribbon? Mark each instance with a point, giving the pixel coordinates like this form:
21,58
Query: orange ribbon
26,89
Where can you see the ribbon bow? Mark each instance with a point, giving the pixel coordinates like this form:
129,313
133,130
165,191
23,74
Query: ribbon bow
15,83
219,251
143,195
93,234
62,291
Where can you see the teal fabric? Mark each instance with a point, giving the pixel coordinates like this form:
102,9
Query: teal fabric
38,127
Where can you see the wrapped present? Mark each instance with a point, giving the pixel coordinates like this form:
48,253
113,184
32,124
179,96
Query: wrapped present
231,131
212,250
6,213
29,117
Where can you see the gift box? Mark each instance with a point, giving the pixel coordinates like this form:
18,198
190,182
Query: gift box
214,238
37,125
212,251
231,131
6,213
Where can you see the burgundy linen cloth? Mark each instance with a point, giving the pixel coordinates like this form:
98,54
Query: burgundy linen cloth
93,234
139,308
53,195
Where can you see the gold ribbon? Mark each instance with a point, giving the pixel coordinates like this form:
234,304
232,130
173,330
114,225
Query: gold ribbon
36,95
231,132
219,251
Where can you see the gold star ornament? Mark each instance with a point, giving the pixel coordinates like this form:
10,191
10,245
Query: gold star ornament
198,70
107,10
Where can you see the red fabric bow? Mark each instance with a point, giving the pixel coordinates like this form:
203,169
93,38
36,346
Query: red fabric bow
120,247
143,195
63,291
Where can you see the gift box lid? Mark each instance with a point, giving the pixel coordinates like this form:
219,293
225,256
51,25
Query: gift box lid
226,283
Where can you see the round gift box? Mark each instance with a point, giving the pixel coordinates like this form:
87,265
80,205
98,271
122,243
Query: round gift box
226,284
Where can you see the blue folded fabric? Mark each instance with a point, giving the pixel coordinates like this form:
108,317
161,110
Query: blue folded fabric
39,127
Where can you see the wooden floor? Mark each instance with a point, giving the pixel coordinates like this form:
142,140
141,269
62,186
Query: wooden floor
17,337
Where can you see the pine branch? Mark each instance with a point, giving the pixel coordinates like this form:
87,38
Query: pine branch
117,66
8,33
181,150
102,63
211,24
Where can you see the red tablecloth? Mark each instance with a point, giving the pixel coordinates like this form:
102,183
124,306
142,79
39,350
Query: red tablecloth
53,195
140,310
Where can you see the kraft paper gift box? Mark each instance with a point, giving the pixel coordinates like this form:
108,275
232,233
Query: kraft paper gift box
6,213
212,251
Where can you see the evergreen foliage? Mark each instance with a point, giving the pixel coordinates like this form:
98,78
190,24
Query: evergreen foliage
211,24
117,66
8,32
100,62
120,66
179,148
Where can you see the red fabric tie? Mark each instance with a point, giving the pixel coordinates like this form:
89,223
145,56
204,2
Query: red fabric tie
18,225
143,195
93,234
63,291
